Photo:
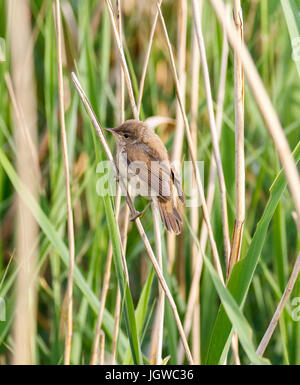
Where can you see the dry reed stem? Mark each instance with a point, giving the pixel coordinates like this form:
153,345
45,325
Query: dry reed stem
20,35
102,347
121,93
195,72
181,56
239,145
193,293
121,89
171,251
213,129
132,209
69,323
154,339
219,118
122,58
161,294
265,106
122,119
237,235
146,62
287,292
191,151
179,130
196,334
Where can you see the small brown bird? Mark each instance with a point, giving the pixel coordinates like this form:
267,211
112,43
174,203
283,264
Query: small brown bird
143,161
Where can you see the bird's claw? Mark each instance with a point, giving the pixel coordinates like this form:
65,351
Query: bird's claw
139,214
135,216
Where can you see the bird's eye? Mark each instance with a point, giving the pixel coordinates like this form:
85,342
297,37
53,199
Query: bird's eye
126,136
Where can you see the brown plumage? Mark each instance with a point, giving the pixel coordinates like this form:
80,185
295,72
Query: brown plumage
141,154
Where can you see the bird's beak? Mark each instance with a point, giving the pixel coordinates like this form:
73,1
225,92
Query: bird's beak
109,129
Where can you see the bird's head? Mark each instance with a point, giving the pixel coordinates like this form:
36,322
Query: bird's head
130,132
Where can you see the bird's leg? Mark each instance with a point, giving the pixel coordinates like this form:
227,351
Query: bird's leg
139,214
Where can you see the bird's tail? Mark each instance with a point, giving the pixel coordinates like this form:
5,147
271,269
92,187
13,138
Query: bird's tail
170,216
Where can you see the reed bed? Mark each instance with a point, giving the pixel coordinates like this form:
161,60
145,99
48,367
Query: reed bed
220,83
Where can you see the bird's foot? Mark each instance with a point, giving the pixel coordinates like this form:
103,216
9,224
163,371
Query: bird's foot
139,214
135,216
117,178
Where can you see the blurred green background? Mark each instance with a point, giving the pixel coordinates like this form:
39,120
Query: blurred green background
90,51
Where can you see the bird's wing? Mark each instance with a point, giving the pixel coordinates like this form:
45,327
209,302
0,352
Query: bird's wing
146,163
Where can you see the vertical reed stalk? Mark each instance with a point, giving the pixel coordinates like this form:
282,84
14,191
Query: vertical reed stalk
237,235
121,95
195,67
213,129
181,50
69,323
161,294
122,58
219,119
121,88
179,130
20,35
146,61
102,347
239,146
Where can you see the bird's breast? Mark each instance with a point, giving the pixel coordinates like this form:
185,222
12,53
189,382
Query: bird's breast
130,174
